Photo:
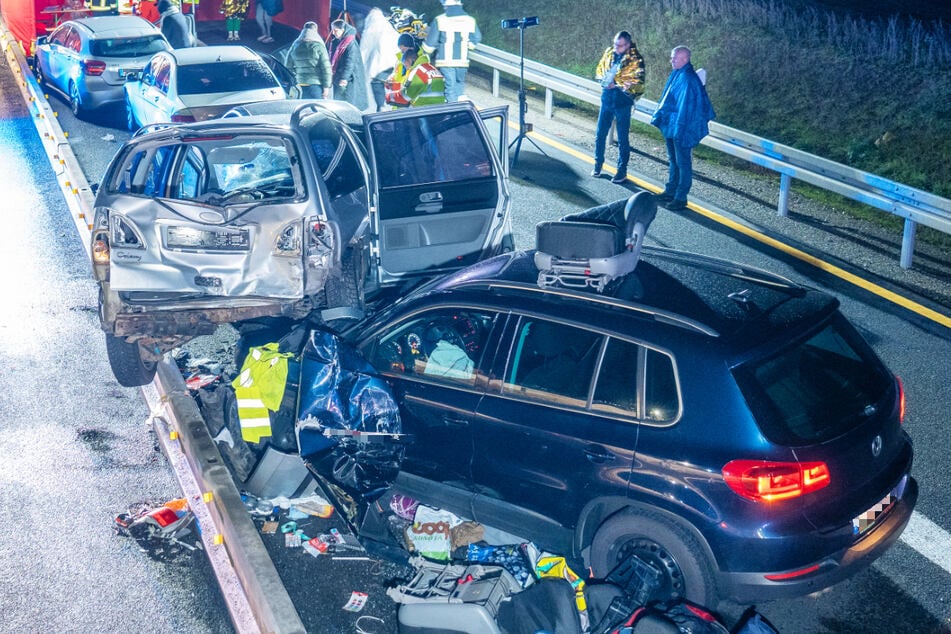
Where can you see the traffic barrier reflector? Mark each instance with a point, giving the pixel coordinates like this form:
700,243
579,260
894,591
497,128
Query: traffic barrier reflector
173,435
207,497
218,539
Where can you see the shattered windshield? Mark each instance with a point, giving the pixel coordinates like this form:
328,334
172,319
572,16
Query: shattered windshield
223,170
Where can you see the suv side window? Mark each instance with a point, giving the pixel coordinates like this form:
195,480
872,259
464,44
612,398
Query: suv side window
434,149
553,362
661,397
443,344
623,367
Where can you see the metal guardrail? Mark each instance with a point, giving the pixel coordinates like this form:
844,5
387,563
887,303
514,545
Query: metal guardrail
251,588
914,205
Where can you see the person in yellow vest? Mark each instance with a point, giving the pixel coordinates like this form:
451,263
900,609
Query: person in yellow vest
234,12
103,7
394,82
423,84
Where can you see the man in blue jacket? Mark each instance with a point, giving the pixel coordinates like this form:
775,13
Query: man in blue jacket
682,115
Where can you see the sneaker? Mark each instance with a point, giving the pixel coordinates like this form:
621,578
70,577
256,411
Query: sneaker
261,38
676,205
620,177
267,40
664,197
596,172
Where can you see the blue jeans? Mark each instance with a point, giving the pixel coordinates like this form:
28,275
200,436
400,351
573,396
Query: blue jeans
616,106
311,91
455,77
680,173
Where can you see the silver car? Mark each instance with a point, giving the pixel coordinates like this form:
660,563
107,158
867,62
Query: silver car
198,83
293,209
87,60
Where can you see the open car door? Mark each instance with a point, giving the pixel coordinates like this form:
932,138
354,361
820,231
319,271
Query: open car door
440,196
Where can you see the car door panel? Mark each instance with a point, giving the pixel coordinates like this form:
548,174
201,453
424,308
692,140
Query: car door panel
537,440
440,189
435,362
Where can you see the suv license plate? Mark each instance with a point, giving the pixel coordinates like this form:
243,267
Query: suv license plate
195,239
864,522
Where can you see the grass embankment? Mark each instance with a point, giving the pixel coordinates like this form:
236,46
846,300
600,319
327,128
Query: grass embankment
871,93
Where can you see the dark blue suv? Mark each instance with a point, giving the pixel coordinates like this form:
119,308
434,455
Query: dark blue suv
724,424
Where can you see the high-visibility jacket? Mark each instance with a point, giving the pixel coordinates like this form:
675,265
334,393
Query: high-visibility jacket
423,85
394,83
450,37
102,6
259,389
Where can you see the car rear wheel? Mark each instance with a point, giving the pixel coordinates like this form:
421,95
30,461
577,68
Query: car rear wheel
684,571
40,78
131,122
75,103
128,366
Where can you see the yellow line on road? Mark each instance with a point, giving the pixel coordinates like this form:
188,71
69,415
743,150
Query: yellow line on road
822,265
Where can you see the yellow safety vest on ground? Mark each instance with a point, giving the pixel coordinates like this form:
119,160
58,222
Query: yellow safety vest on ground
259,389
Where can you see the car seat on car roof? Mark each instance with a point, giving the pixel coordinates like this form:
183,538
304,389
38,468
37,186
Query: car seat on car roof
592,248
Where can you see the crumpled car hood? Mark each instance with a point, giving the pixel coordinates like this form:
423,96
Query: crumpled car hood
348,426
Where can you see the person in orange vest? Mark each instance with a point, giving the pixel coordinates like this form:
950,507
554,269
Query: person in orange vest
424,84
394,82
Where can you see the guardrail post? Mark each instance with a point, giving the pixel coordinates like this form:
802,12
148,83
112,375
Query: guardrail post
549,103
785,181
908,243
495,82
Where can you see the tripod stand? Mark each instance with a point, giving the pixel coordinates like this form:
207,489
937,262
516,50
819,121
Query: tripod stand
523,128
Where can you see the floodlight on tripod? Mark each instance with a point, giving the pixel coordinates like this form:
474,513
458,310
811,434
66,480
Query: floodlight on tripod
523,128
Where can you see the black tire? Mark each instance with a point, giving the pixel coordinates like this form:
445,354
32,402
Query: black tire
686,572
130,120
75,103
343,290
128,366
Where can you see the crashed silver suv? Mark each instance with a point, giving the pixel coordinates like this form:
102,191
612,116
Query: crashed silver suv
310,209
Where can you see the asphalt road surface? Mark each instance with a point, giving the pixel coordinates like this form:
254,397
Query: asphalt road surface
76,448
60,488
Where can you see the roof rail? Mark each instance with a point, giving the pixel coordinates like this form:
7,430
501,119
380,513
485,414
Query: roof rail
656,314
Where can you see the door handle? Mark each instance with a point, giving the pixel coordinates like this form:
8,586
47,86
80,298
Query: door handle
428,208
452,421
598,455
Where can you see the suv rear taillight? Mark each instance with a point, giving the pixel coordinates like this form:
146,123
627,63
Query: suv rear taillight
183,116
763,481
93,67
901,401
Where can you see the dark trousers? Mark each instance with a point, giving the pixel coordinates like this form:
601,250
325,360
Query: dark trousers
615,106
680,172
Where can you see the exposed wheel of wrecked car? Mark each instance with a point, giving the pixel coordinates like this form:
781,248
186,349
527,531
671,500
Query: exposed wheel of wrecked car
684,571
128,366
343,291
